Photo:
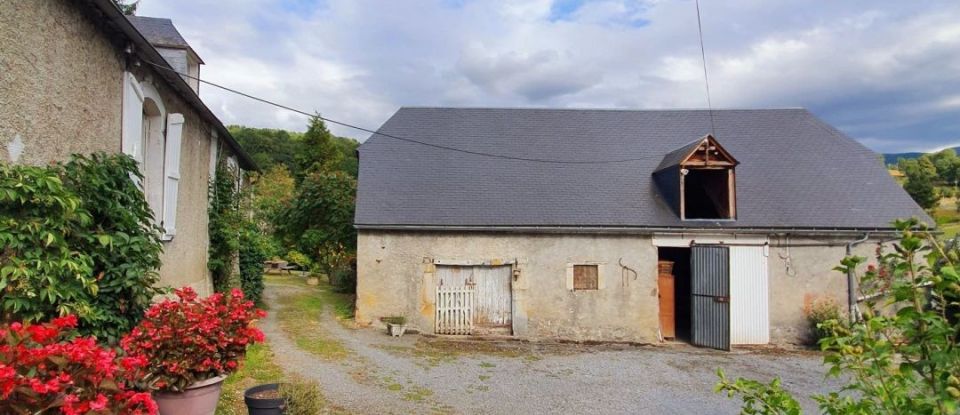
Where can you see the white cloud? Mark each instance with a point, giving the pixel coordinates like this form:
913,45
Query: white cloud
882,71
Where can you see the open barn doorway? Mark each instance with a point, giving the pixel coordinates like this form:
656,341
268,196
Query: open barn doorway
673,283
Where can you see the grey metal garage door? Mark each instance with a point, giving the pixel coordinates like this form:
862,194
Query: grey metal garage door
710,296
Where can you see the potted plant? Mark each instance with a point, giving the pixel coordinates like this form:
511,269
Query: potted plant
191,345
45,368
295,396
264,400
316,270
396,325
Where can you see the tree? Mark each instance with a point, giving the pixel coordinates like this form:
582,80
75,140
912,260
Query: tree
319,220
128,9
272,192
901,356
921,174
317,150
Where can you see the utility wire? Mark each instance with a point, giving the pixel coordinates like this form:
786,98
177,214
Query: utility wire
409,140
706,81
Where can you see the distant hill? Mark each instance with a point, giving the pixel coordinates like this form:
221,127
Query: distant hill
892,158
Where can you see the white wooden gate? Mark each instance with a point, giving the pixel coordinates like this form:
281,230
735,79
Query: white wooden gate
490,301
454,310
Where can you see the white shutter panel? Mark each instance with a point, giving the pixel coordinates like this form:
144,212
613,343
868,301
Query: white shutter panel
171,169
132,127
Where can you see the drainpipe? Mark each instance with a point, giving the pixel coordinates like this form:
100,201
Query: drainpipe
851,280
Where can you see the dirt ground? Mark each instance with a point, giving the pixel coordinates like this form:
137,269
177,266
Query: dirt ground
373,373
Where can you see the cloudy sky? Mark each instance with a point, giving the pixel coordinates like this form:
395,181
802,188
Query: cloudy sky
885,72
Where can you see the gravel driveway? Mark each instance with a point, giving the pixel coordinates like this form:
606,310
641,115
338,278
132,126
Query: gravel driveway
420,374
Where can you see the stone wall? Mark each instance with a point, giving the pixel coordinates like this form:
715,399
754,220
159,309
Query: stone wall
61,88
396,277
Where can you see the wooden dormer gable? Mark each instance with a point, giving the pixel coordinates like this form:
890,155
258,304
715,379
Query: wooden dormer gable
698,180
708,153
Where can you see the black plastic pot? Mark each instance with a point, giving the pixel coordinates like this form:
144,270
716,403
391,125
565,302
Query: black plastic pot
259,406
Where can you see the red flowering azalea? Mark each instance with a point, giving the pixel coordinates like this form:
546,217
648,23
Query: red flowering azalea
190,339
43,371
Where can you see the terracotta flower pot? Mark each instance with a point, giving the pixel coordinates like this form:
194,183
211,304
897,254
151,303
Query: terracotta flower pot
198,399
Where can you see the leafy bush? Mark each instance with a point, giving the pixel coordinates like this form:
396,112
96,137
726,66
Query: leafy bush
821,311
299,259
252,254
189,339
78,238
41,371
126,249
344,279
319,220
301,397
902,356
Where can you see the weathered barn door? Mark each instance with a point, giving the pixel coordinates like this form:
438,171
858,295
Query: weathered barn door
710,296
491,310
494,303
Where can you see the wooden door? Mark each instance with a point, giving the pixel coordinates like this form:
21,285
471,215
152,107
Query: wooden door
492,298
494,302
666,292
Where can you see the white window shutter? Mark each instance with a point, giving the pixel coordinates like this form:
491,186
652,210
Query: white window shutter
132,125
171,171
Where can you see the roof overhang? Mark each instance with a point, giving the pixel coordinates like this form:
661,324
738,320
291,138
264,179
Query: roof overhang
634,230
147,52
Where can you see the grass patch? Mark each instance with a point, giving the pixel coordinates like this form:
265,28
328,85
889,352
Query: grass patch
487,364
300,320
417,394
484,377
258,368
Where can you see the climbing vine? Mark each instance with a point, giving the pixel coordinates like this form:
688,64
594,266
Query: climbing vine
224,227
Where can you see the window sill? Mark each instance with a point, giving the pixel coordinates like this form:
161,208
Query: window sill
166,238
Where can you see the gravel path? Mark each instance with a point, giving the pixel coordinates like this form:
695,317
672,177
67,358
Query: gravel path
419,374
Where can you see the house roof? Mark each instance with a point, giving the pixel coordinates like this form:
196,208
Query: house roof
161,32
794,172
119,26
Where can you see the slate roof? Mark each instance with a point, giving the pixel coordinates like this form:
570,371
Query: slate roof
795,171
160,32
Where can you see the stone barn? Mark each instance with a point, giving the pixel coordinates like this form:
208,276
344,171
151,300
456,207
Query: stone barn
716,228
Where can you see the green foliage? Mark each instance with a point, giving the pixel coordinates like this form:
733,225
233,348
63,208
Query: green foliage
921,175
271,193
126,245
254,248
301,397
902,355
319,220
270,148
224,225
821,311
299,259
78,238
759,398
128,8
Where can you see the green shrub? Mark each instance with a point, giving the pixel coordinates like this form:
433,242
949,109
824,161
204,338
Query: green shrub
253,252
78,238
302,397
299,259
821,311
344,279
902,356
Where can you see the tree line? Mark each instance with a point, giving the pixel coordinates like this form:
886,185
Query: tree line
931,177
303,200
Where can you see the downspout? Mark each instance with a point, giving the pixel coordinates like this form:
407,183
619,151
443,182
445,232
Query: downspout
851,280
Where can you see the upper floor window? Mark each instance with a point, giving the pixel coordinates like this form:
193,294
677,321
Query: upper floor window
699,180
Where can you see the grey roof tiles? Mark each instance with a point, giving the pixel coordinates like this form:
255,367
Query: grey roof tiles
795,171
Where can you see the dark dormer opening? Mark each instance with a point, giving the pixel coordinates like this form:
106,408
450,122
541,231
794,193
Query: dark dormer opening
699,180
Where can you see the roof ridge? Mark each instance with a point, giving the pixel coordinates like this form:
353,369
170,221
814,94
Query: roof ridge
601,109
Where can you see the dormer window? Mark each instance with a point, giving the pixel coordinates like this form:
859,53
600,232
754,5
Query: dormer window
698,180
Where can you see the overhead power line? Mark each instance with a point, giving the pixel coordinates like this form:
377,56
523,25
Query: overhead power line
703,58
404,139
